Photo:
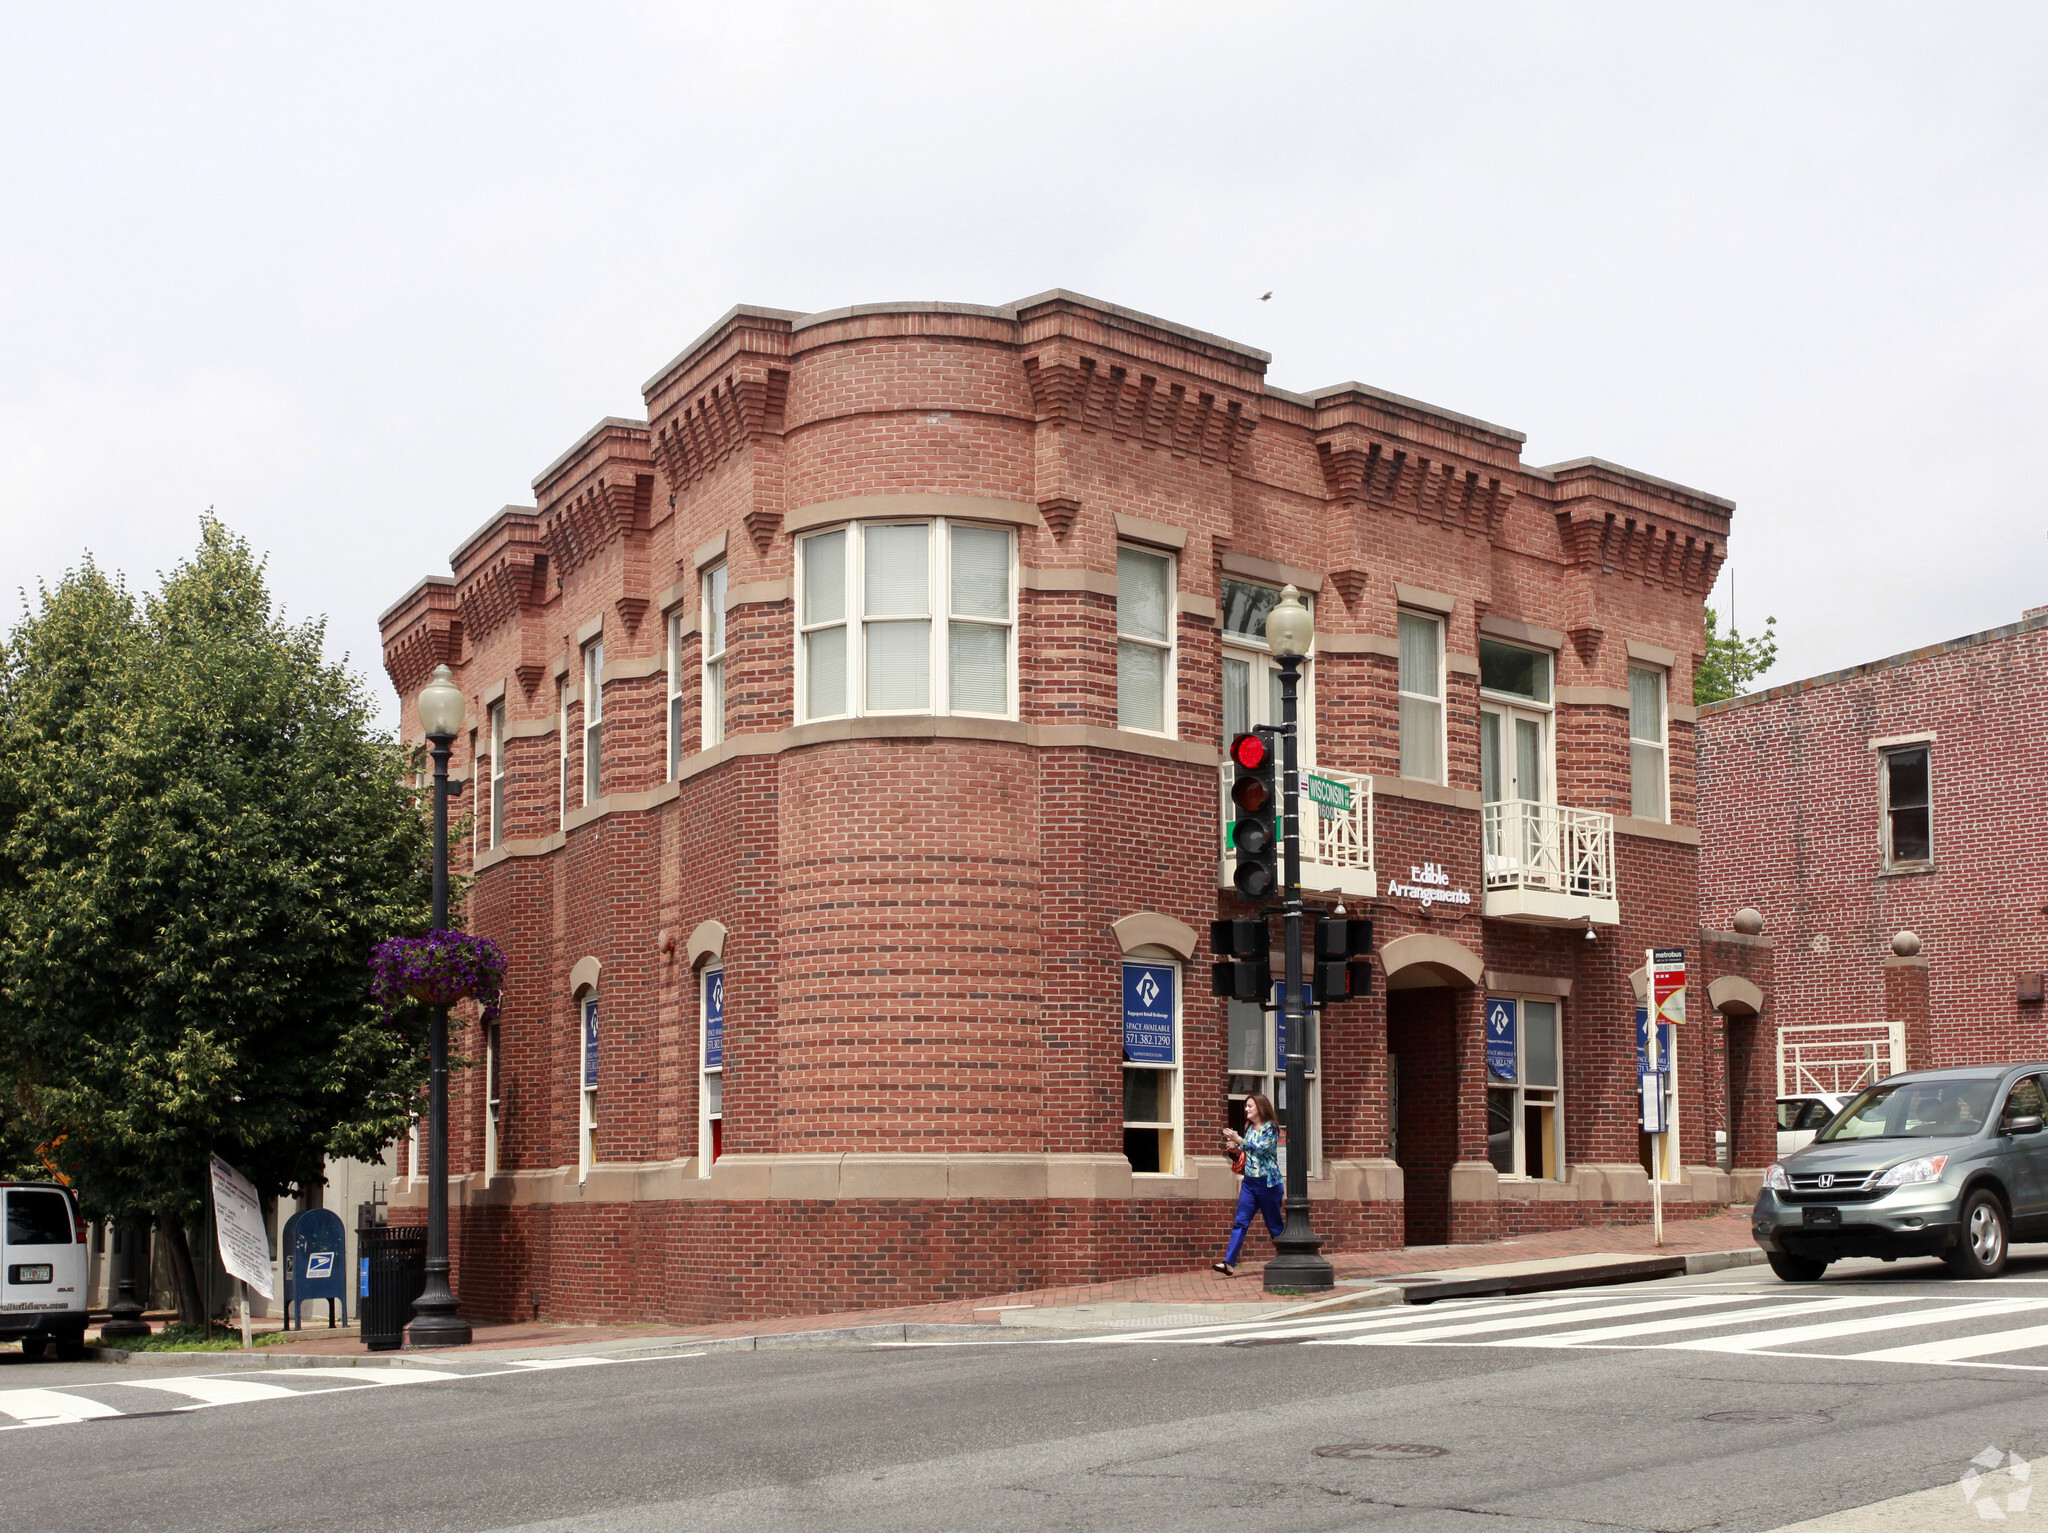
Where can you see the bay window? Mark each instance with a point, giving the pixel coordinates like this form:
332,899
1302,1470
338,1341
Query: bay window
907,617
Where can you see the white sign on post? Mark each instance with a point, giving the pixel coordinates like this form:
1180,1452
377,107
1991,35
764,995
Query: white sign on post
238,1220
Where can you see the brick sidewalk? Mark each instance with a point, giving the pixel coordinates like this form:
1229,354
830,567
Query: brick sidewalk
1717,1232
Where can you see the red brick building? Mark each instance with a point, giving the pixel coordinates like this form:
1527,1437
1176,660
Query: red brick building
846,743
1899,796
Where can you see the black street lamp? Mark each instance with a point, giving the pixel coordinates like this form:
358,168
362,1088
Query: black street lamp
435,1321
1299,1265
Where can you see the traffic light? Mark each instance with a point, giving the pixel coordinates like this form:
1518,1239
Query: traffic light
1255,832
1342,970
1244,970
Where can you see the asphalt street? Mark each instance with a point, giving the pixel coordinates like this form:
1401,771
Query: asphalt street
1728,1401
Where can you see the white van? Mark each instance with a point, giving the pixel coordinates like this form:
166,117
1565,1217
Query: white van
42,1269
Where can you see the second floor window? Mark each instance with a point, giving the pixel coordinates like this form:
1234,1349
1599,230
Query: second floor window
1908,808
593,721
1422,696
1514,722
906,617
714,656
1251,677
1144,641
675,695
497,774
1648,780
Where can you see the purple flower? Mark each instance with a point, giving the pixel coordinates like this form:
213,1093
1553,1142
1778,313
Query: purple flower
441,968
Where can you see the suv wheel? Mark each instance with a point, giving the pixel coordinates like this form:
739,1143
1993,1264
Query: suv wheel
34,1346
1981,1251
1796,1269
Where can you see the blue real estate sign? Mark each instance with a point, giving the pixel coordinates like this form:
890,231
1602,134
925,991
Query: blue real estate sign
714,1020
1500,1038
1148,1013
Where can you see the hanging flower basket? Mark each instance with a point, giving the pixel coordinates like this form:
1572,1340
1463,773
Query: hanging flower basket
439,969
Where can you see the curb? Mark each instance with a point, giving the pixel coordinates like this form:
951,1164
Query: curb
1639,1270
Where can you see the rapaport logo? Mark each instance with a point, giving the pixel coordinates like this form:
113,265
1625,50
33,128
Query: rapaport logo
1989,1504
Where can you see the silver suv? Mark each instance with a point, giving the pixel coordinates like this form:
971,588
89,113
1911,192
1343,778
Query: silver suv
1948,1163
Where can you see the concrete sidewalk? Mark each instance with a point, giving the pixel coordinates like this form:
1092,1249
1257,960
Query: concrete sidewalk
1194,1292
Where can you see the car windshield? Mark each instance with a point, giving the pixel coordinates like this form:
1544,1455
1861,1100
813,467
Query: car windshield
1915,1110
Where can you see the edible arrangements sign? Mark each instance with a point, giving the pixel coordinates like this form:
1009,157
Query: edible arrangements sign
1428,884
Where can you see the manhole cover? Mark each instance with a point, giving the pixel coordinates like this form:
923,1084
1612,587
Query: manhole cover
1380,1450
1264,1341
1771,1418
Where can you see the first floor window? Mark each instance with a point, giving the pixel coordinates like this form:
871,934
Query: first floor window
1151,1064
711,1071
1524,1131
491,1099
1667,1069
586,1124
1144,641
1421,683
1258,1067
1908,808
1648,780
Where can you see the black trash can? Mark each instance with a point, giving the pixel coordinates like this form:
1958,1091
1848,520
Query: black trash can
394,1267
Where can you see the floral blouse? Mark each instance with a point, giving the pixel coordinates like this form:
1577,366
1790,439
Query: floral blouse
1262,1155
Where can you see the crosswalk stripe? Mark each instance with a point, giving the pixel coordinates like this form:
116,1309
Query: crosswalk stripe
363,1377
1528,1322
1960,1347
212,1391
1435,1314
1608,1333
1789,1335
562,1362
48,1406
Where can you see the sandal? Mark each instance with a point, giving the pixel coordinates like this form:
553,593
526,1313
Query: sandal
1223,1267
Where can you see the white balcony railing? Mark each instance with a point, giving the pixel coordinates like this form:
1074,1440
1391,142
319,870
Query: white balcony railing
1549,862
1336,832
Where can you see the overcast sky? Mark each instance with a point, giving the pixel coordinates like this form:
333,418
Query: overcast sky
353,276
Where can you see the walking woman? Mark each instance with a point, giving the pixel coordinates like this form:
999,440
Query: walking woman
1263,1183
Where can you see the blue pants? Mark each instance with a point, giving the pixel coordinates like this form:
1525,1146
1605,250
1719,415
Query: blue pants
1266,1198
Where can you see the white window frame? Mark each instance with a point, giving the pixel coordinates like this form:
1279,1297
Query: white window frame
711,693
1521,1092
498,773
1505,706
1441,701
593,722
586,1090
940,616
675,695
1169,711
1271,1081
1661,745
1176,1074
1260,684
562,755
494,1065
476,814
708,1146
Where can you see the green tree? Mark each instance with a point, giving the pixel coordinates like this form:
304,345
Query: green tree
202,835
1730,665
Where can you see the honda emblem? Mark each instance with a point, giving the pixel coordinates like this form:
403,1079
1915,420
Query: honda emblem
1827,1179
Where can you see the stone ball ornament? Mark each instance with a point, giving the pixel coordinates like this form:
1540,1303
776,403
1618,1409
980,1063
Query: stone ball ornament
1749,921
1906,944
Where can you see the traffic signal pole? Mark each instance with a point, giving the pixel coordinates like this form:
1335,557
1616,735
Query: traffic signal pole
1299,1263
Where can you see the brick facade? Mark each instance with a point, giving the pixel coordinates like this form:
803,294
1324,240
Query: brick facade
916,913
1793,808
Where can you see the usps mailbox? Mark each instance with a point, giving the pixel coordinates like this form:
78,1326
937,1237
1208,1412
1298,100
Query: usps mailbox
316,1265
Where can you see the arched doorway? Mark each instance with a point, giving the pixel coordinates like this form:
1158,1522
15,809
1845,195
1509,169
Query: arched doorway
1428,978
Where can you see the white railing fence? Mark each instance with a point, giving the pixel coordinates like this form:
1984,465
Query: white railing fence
1336,817
1838,1057
1549,846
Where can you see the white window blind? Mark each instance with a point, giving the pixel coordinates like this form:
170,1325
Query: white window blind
1422,697
1144,639
714,656
1649,795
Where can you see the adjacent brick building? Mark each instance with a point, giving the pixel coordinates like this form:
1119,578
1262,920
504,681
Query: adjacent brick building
1901,796
846,754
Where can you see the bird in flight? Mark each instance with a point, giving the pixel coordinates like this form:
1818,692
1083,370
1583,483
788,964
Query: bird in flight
1265,295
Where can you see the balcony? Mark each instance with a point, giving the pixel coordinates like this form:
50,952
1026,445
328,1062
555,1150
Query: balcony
1336,834
1549,865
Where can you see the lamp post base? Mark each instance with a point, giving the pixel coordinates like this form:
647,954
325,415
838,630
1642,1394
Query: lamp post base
1299,1266
435,1322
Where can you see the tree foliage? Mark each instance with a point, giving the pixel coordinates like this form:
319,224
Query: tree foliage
202,837
1731,664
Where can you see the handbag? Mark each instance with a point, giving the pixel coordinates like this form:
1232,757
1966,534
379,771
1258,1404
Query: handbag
1237,1164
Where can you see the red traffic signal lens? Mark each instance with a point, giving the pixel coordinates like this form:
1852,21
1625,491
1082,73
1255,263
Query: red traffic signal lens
1249,752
